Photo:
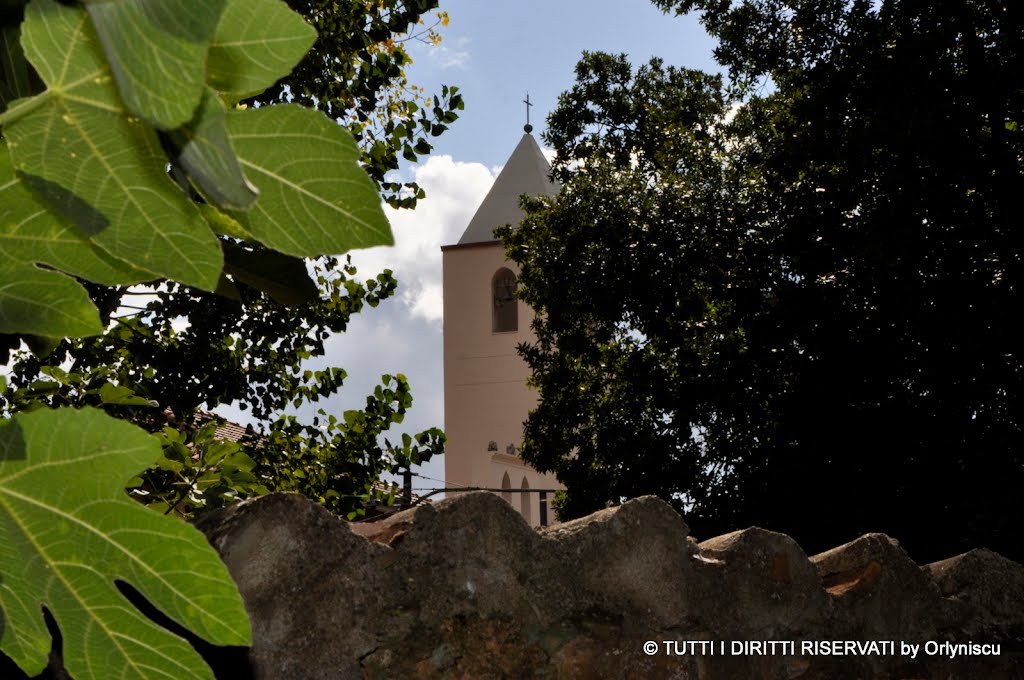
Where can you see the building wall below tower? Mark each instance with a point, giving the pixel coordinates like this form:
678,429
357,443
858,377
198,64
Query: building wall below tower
486,397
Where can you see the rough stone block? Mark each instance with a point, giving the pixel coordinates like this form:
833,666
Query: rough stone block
879,592
759,581
631,560
307,581
985,592
471,555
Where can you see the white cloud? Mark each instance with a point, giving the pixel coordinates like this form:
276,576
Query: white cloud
731,112
454,190
450,55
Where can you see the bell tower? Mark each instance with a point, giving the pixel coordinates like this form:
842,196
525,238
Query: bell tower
485,395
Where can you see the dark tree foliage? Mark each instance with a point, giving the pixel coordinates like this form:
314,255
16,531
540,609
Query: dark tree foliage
802,315
248,350
186,349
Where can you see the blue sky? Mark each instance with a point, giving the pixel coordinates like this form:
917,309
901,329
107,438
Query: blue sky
495,53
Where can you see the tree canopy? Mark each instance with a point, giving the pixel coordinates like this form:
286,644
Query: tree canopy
788,299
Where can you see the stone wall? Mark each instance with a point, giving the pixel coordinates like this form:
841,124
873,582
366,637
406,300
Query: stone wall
465,589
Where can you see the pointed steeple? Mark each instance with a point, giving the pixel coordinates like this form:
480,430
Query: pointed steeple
526,172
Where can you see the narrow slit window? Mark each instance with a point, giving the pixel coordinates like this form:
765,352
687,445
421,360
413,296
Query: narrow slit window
504,307
506,483
524,503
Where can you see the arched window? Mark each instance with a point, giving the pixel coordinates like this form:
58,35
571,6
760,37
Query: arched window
504,308
524,502
506,483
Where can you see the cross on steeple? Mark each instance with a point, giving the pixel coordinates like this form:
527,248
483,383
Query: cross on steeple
527,128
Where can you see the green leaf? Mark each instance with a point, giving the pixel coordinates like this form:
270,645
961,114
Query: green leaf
29,232
283,277
179,452
14,79
97,165
41,346
315,198
43,302
170,464
226,288
257,42
39,301
68,531
240,461
57,373
223,224
205,152
122,396
157,50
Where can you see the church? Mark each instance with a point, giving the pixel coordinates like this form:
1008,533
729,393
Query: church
486,398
